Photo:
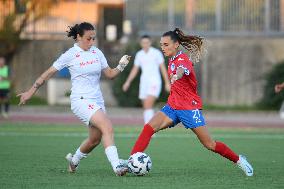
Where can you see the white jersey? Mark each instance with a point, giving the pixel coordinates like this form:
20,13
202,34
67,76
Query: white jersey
85,69
149,62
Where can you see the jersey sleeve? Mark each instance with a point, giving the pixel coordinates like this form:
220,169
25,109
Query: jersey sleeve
185,63
103,60
136,60
62,61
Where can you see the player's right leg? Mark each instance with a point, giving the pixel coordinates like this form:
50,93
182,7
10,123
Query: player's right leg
86,147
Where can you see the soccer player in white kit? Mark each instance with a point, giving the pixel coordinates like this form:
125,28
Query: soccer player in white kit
151,62
85,63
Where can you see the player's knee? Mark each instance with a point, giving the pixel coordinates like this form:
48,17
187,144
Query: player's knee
210,145
108,129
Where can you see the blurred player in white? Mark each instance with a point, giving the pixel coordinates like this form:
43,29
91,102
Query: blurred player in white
151,62
85,63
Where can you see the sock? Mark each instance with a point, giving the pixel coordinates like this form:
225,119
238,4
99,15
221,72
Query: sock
78,156
148,114
112,156
143,139
226,152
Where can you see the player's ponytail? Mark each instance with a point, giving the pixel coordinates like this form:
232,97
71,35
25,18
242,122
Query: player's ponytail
79,29
193,44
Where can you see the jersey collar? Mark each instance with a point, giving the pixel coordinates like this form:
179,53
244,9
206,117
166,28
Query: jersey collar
79,49
174,57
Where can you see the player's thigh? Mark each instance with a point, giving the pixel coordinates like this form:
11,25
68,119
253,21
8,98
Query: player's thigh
149,102
160,121
100,120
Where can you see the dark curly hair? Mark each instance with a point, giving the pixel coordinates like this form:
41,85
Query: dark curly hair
79,29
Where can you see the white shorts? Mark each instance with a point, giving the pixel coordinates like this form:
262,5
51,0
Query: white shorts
85,108
149,89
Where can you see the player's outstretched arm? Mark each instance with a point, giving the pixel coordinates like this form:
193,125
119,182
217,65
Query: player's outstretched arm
279,87
25,96
131,76
111,73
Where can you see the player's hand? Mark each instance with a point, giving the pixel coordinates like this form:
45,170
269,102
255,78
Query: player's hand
277,88
123,62
125,86
173,78
24,97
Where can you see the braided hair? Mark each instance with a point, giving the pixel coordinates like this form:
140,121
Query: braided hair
193,44
79,29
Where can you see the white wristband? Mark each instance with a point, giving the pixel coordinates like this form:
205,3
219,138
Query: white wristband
120,68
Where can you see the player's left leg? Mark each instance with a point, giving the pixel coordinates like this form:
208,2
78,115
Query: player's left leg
222,149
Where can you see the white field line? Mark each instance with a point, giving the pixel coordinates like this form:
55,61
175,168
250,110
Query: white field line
135,135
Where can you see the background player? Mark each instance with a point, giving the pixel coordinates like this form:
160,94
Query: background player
5,85
151,62
85,63
184,104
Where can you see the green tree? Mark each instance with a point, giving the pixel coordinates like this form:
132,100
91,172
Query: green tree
13,24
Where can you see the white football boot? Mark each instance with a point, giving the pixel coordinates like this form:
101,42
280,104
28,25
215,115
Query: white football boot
71,166
245,166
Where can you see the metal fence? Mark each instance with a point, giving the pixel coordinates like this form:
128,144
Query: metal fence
208,17
205,17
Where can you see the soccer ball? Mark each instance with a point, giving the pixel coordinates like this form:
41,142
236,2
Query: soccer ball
139,164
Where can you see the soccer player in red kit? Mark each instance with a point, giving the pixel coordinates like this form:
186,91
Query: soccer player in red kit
184,104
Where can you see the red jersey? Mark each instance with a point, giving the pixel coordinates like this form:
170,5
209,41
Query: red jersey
183,94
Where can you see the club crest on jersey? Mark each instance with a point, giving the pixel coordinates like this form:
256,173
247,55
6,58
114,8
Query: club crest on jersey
173,66
186,71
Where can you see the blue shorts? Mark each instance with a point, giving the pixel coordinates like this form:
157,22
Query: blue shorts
189,118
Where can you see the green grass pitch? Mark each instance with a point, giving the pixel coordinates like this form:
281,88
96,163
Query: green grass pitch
32,156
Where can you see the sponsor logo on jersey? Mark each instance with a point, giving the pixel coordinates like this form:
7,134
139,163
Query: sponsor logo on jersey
77,55
94,52
180,59
82,64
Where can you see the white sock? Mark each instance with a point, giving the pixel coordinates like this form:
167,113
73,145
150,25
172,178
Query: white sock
148,114
112,156
78,156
